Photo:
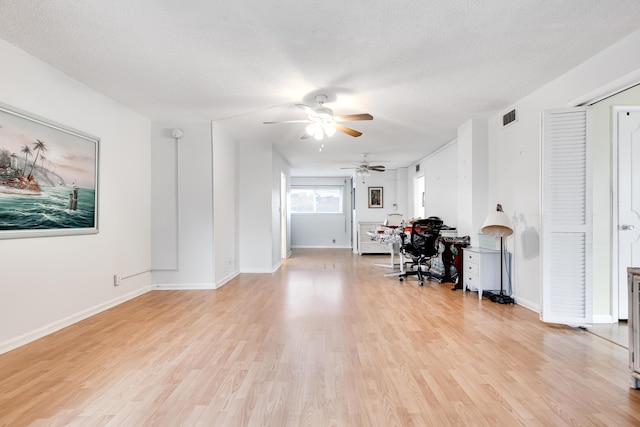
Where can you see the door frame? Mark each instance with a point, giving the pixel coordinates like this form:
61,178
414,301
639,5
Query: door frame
615,224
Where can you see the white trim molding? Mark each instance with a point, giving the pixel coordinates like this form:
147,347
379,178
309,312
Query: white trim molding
605,91
68,321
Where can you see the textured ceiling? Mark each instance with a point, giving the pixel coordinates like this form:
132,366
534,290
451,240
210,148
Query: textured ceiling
420,67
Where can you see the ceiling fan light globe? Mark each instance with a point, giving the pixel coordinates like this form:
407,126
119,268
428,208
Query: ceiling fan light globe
329,130
311,129
319,135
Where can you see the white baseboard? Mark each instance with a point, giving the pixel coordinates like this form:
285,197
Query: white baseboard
603,318
321,247
227,279
256,270
183,286
194,286
68,321
528,304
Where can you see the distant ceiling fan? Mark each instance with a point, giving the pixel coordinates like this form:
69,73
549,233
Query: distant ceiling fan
321,121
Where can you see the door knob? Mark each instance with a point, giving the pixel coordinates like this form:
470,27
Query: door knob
627,227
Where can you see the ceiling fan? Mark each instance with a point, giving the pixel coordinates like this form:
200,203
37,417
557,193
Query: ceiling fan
321,121
364,168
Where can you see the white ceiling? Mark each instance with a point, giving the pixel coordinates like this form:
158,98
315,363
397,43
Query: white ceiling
420,67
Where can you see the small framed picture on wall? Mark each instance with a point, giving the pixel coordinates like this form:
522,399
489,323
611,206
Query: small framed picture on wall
375,197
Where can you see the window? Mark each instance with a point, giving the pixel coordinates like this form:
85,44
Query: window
305,199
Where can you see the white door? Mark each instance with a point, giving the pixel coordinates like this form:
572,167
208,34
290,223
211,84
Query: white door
566,217
628,126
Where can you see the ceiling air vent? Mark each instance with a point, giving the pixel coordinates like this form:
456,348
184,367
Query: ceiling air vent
508,118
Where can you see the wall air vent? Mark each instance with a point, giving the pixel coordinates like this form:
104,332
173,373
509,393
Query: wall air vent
418,167
509,118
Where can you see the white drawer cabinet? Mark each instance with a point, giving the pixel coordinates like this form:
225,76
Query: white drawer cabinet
482,270
365,244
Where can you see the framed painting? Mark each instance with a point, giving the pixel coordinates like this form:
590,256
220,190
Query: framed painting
48,177
375,197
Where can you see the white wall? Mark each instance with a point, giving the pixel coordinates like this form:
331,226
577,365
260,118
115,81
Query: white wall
49,283
228,209
278,167
514,156
260,168
225,206
402,195
441,184
388,180
320,230
182,239
473,205
255,207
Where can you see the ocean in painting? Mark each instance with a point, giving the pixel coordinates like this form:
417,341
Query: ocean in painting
48,210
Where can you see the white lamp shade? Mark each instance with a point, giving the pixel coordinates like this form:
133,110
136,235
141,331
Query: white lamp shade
497,224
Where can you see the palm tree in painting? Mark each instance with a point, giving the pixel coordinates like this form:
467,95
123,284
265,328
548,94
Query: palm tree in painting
27,152
39,146
42,159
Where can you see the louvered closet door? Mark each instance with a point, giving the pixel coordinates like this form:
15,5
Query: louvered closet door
566,217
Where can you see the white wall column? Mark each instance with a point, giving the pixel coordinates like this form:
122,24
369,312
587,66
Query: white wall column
473,177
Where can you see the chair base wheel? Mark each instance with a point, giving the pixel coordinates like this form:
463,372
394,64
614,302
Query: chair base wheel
401,279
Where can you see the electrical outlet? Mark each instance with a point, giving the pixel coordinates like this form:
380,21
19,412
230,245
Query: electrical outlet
334,240
117,280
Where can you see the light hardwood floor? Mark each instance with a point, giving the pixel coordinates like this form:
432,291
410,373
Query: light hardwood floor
325,341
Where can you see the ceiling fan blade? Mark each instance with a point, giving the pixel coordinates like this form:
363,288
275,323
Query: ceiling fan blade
306,108
377,167
287,121
305,136
353,117
347,130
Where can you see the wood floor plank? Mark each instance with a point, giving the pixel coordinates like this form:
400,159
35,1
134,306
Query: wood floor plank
325,341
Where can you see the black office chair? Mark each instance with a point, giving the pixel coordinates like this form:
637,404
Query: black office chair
421,245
